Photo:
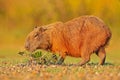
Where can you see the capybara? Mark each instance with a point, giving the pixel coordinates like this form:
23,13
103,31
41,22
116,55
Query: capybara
79,37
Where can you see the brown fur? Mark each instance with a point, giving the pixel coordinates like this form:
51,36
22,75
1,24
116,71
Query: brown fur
79,37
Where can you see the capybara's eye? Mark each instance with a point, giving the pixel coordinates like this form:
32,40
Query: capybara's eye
36,34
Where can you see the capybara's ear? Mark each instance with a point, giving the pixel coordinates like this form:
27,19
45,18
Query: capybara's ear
42,29
35,27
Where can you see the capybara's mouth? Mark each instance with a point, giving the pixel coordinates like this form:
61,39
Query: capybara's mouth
32,50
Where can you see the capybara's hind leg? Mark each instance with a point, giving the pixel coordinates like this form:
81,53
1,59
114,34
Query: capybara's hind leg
102,54
85,59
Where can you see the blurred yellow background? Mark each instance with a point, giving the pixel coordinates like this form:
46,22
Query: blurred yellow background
18,18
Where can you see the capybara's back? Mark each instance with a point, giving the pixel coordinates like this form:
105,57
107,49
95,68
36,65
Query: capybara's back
86,33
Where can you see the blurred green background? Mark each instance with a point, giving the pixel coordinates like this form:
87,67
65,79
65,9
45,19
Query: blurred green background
18,18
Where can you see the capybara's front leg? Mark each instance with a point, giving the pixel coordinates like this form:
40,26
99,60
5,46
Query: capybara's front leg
102,54
60,61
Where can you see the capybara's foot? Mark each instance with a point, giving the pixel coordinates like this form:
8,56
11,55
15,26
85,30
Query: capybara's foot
84,61
60,61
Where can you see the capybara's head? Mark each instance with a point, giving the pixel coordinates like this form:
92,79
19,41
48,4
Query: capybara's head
37,39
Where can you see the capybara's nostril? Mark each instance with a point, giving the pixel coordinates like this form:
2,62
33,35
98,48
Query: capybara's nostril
27,45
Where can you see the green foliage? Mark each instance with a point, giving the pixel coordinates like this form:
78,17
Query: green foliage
36,54
44,58
41,57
